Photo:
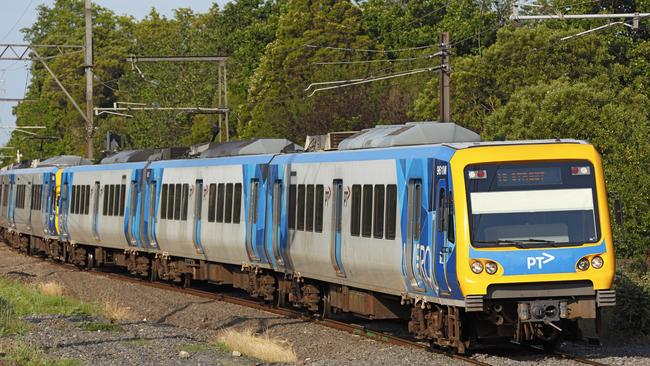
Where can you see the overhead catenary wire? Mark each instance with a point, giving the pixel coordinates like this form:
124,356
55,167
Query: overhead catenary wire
17,21
398,29
379,78
425,57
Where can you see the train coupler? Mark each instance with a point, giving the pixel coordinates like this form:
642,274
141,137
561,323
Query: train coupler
545,311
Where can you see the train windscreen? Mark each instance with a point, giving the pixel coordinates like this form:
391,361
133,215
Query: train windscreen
532,204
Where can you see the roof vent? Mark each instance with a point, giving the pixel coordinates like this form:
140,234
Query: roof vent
65,160
132,156
249,147
326,142
412,133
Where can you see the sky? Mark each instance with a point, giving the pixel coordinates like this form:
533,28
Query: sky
17,14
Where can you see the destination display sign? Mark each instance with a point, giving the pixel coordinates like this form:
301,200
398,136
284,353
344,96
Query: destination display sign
512,177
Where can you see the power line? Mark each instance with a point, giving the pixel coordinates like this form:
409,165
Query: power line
379,78
348,49
17,21
377,61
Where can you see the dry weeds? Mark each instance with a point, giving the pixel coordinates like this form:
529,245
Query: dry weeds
261,347
51,288
115,311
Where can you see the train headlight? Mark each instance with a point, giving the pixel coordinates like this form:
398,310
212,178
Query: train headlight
597,262
583,264
491,268
477,267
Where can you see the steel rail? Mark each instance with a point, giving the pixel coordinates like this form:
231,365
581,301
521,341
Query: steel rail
259,305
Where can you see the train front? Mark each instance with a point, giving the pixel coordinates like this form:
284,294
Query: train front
535,251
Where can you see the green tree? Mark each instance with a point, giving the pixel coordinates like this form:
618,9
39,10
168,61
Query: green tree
279,106
63,24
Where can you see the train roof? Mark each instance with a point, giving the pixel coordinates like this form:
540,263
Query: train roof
409,134
469,145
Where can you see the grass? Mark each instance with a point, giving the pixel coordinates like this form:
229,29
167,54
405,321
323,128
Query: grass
196,347
100,326
24,354
18,299
30,300
51,288
261,347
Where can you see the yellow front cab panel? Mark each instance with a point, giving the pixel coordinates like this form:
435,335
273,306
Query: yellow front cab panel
541,263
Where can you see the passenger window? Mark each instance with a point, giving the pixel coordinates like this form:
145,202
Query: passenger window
116,203
309,210
417,210
451,235
391,210
212,197
440,210
367,211
177,202
254,196
170,203
163,202
292,206
73,199
86,199
378,219
301,207
236,211
105,208
221,200
355,223
185,198
111,199
228,214
318,225
82,199
122,199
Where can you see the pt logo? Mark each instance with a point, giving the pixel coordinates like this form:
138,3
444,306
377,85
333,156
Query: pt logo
539,261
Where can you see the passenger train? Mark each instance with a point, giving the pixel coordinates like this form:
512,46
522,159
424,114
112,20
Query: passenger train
464,240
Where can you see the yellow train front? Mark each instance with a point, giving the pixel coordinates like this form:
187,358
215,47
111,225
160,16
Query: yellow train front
534,241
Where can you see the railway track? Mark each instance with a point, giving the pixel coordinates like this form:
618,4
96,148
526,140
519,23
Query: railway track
330,323
354,329
567,356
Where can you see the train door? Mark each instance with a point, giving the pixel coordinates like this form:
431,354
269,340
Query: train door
337,224
12,201
63,206
198,208
141,227
29,201
131,218
276,221
51,204
413,234
151,201
442,248
256,206
95,212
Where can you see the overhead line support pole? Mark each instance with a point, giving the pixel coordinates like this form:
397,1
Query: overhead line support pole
58,82
445,70
89,79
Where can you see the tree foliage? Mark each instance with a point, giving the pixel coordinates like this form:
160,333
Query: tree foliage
509,80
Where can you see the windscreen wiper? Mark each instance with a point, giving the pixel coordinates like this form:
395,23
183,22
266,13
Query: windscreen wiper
522,243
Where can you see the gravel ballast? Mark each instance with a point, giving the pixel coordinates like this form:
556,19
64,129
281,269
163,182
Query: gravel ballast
171,328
